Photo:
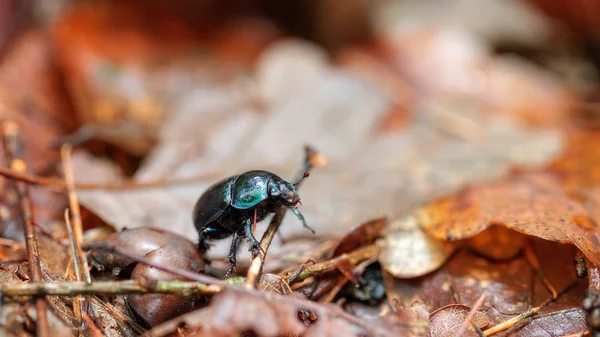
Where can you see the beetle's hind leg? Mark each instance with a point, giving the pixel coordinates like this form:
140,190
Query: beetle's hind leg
231,258
254,244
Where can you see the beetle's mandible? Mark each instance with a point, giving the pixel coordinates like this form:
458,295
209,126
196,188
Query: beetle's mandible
229,208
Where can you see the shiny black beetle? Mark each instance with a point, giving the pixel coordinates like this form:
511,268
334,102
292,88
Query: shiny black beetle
230,206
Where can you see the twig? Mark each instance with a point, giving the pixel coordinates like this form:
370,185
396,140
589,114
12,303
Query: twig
124,185
512,321
96,332
537,269
107,288
75,233
311,159
257,263
298,302
77,307
474,309
13,153
75,211
9,262
354,257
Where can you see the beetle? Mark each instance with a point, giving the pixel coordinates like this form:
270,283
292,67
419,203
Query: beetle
232,205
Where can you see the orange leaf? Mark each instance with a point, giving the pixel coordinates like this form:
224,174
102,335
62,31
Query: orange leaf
531,203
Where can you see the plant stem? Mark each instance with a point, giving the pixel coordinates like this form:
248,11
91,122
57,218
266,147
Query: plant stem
107,288
354,257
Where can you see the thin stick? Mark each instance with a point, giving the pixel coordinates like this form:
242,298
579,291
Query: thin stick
60,184
107,288
472,313
354,257
75,211
13,153
9,262
257,263
299,302
118,314
96,332
537,269
77,307
512,321
311,159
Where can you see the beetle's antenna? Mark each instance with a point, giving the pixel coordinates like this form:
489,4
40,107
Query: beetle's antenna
305,175
311,159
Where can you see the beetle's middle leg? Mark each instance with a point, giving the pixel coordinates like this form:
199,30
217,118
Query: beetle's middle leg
254,244
231,258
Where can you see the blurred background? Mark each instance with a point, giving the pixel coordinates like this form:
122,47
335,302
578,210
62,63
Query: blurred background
409,99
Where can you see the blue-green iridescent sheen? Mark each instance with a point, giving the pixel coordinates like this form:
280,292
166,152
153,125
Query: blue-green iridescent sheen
250,189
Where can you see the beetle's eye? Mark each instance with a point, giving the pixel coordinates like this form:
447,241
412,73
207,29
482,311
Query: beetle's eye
289,195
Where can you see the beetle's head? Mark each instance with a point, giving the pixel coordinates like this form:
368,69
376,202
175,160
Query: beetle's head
283,192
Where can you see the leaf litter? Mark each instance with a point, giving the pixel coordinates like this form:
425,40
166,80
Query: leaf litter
470,156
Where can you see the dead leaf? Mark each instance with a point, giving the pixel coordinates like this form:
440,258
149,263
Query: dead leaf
273,283
537,205
498,243
407,251
577,166
358,236
426,169
512,287
559,323
414,318
446,321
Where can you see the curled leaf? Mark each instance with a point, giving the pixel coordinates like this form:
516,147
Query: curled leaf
407,251
530,203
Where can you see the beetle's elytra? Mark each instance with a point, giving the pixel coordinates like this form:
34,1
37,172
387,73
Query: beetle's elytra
229,206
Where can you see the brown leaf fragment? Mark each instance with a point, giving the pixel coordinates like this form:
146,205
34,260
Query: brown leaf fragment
578,167
498,243
235,312
511,285
414,318
446,321
552,324
273,283
360,235
332,328
530,203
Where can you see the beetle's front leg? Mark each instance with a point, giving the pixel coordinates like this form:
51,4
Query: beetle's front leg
231,258
301,217
254,244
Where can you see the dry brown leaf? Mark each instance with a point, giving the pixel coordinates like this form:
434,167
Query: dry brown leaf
413,318
407,251
446,321
498,243
512,286
531,203
578,165
125,94
439,61
559,323
359,235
